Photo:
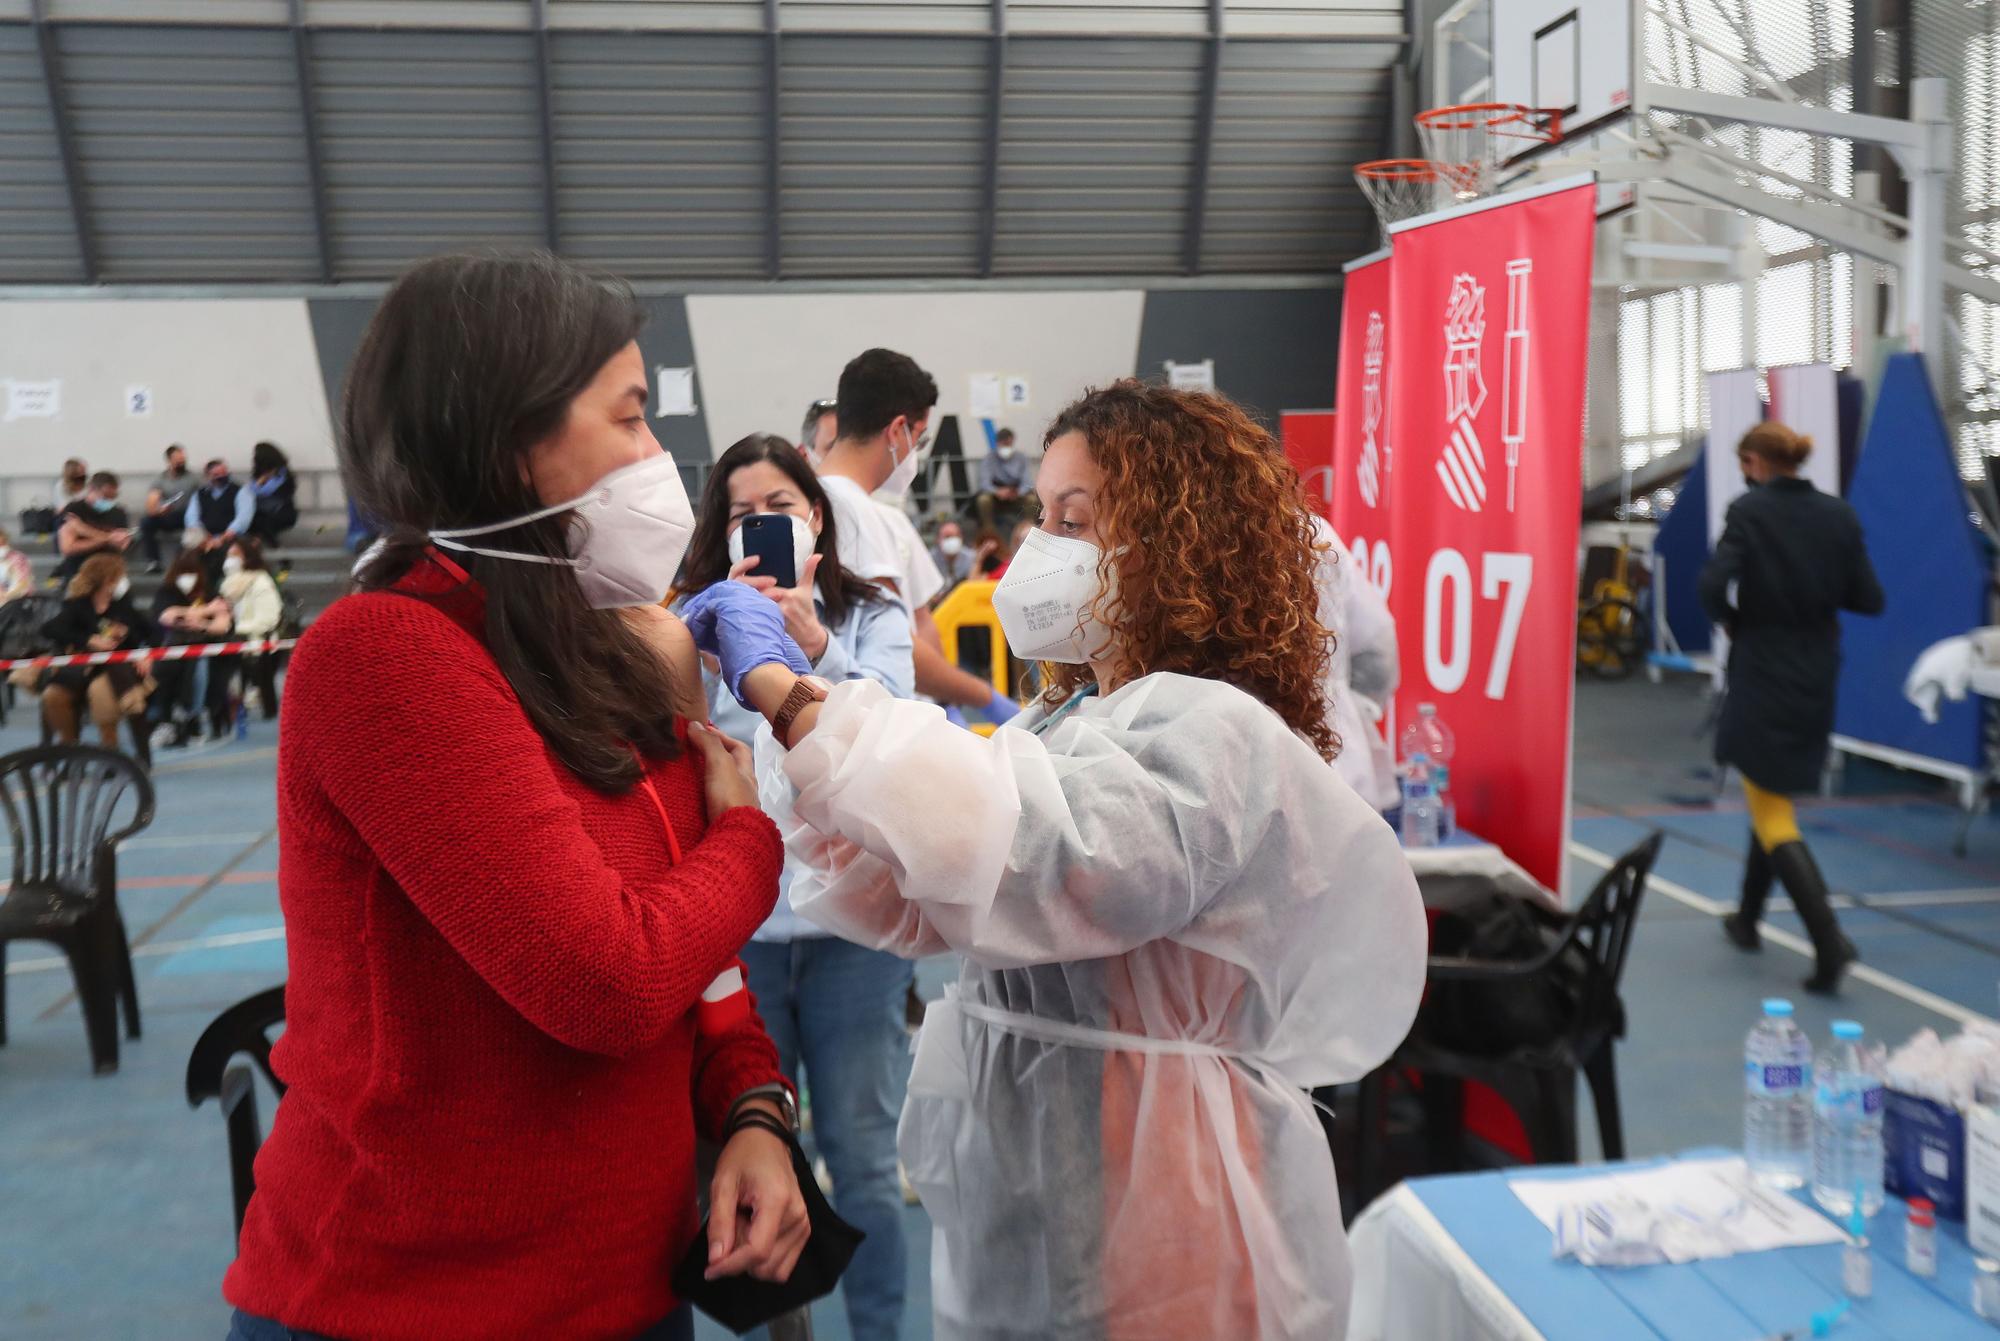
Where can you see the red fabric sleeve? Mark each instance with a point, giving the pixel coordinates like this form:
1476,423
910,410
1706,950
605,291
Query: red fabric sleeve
740,1058
449,784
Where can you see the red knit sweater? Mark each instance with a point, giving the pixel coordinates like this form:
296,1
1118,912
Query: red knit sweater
495,1081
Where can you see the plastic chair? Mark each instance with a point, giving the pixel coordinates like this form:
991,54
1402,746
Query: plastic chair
60,802
21,621
244,1029
1538,1081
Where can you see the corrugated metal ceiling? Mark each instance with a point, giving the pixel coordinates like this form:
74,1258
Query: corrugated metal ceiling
330,140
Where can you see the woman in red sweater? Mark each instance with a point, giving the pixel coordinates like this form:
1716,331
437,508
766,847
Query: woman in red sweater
509,867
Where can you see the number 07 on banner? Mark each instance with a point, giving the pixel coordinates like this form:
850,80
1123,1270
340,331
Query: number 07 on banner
1488,318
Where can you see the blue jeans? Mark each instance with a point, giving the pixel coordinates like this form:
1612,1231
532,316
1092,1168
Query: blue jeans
838,1008
249,1327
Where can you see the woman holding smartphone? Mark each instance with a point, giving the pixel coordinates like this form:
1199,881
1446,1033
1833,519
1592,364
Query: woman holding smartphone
833,1005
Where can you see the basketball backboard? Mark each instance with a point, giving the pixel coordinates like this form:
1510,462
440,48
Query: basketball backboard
1572,56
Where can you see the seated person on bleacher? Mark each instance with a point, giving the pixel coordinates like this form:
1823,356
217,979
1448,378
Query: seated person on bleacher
98,616
188,610
93,524
1003,484
17,578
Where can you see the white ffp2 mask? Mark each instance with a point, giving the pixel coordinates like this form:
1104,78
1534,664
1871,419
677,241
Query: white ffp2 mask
904,473
1042,600
635,527
803,544
186,582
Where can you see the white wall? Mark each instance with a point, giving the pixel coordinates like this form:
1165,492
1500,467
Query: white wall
224,374
763,358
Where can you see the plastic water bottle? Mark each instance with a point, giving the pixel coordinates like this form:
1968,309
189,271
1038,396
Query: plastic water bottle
1847,1125
242,720
1420,804
1431,738
1778,1098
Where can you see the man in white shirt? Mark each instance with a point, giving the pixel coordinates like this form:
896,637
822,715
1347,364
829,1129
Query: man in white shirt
881,426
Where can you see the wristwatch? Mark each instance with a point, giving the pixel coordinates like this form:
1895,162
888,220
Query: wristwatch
807,689
779,1094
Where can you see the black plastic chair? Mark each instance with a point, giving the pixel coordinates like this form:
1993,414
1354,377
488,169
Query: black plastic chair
213,1073
1538,1081
60,803
21,621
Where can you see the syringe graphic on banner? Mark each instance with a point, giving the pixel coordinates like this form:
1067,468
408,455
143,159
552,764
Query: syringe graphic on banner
1461,467
1369,471
1514,389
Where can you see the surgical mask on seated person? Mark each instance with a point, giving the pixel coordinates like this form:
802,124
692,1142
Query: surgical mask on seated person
104,504
232,565
1005,452
1042,601
122,590
951,546
186,582
627,539
803,543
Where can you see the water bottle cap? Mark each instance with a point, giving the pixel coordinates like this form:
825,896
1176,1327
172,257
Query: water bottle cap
1847,1029
1922,1212
1777,1007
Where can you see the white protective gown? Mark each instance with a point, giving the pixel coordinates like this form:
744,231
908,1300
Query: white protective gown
1362,672
1175,919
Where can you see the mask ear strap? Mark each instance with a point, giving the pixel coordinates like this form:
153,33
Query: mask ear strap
438,537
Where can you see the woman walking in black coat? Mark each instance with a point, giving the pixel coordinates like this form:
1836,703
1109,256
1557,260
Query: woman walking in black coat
1796,559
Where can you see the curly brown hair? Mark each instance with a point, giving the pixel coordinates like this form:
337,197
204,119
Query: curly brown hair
1209,549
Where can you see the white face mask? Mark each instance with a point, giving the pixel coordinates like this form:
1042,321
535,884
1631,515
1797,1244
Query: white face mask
1042,599
905,472
635,524
186,582
232,564
119,592
951,546
1005,451
804,540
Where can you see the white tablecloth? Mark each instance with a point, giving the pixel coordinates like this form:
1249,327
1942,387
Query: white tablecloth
1453,875
1412,1280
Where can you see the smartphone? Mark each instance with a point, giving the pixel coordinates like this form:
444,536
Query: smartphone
768,535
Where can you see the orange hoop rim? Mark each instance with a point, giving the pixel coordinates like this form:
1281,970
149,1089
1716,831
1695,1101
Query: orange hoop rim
1402,170
1513,119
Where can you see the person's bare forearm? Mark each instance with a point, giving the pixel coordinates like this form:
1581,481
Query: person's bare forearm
939,679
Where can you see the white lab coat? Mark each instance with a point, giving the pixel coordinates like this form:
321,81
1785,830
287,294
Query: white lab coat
1175,919
1361,674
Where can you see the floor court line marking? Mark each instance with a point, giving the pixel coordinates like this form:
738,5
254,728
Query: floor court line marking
1798,945
160,948
185,902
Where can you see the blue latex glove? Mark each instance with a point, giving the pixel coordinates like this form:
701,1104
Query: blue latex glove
743,629
1002,710
953,715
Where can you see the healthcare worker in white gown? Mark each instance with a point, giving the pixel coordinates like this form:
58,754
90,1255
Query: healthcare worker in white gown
1175,918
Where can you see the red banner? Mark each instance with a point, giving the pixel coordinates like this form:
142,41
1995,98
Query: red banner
1362,459
1307,437
1489,347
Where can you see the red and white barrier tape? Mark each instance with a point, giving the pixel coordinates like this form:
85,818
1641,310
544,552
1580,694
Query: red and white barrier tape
186,652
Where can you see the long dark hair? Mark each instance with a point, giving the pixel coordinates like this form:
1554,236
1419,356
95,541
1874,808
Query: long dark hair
253,553
188,561
469,362
707,559
266,459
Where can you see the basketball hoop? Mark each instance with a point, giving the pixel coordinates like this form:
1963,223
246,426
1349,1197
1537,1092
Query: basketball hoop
1483,136
1403,188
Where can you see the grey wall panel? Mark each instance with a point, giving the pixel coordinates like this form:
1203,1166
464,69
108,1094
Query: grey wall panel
193,153
884,145
1292,120
660,156
667,342
1274,349
1096,147
37,234
337,327
431,141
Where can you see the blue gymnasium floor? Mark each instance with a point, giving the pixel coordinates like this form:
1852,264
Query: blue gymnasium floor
114,1201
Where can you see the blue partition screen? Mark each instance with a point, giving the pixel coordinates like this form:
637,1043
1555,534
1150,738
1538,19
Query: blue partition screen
1679,551
1919,533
